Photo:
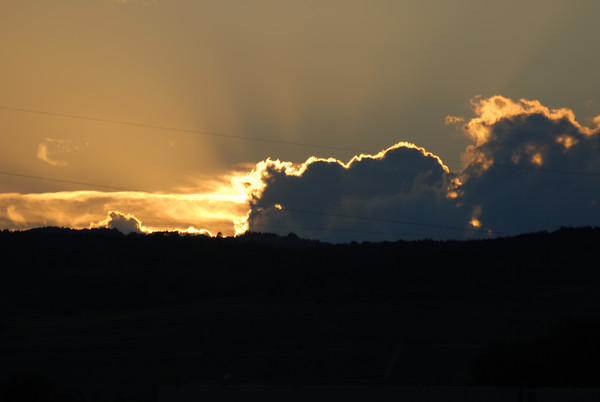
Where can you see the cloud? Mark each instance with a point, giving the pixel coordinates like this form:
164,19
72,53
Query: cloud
55,146
128,223
449,120
14,215
402,192
124,223
531,167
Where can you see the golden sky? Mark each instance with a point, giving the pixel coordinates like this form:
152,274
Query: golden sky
361,75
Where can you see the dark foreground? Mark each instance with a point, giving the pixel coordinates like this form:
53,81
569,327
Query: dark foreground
95,315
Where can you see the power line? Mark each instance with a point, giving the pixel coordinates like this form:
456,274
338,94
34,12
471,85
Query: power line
180,130
269,140
381,220
66,181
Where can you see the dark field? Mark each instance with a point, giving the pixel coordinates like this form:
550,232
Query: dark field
95,314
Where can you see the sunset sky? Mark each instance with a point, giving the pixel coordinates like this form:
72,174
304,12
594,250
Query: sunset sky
162,115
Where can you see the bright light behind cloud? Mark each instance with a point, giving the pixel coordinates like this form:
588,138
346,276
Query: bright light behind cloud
364,198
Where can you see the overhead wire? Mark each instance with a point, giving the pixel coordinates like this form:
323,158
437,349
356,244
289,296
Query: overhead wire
380,220
81,183
268,140
180,130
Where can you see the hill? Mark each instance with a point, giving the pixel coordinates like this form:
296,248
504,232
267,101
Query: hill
98,311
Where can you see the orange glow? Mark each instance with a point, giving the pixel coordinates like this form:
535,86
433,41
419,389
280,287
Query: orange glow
566,141
453,189
475,222
186,213
241,225
537,159
491,110
475,157
449,120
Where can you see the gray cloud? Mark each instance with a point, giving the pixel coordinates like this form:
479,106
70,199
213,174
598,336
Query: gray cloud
530,168
533,168
366,198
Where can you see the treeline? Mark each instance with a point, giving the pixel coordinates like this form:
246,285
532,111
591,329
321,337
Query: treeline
47,269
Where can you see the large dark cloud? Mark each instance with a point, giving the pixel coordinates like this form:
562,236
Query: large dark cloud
530,168
403,192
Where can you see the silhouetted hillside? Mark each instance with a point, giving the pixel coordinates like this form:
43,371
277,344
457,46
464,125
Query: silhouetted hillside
168,308
48,269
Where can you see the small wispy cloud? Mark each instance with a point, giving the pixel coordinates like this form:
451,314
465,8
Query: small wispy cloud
449,120
54,146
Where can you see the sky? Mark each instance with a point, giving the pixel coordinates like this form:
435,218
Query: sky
226,116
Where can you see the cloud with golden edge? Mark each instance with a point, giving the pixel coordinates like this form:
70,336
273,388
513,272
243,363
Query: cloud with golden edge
124,223
254,183
128,223
531,167
400,182
498,116
491,110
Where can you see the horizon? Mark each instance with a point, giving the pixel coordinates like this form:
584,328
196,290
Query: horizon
337,121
